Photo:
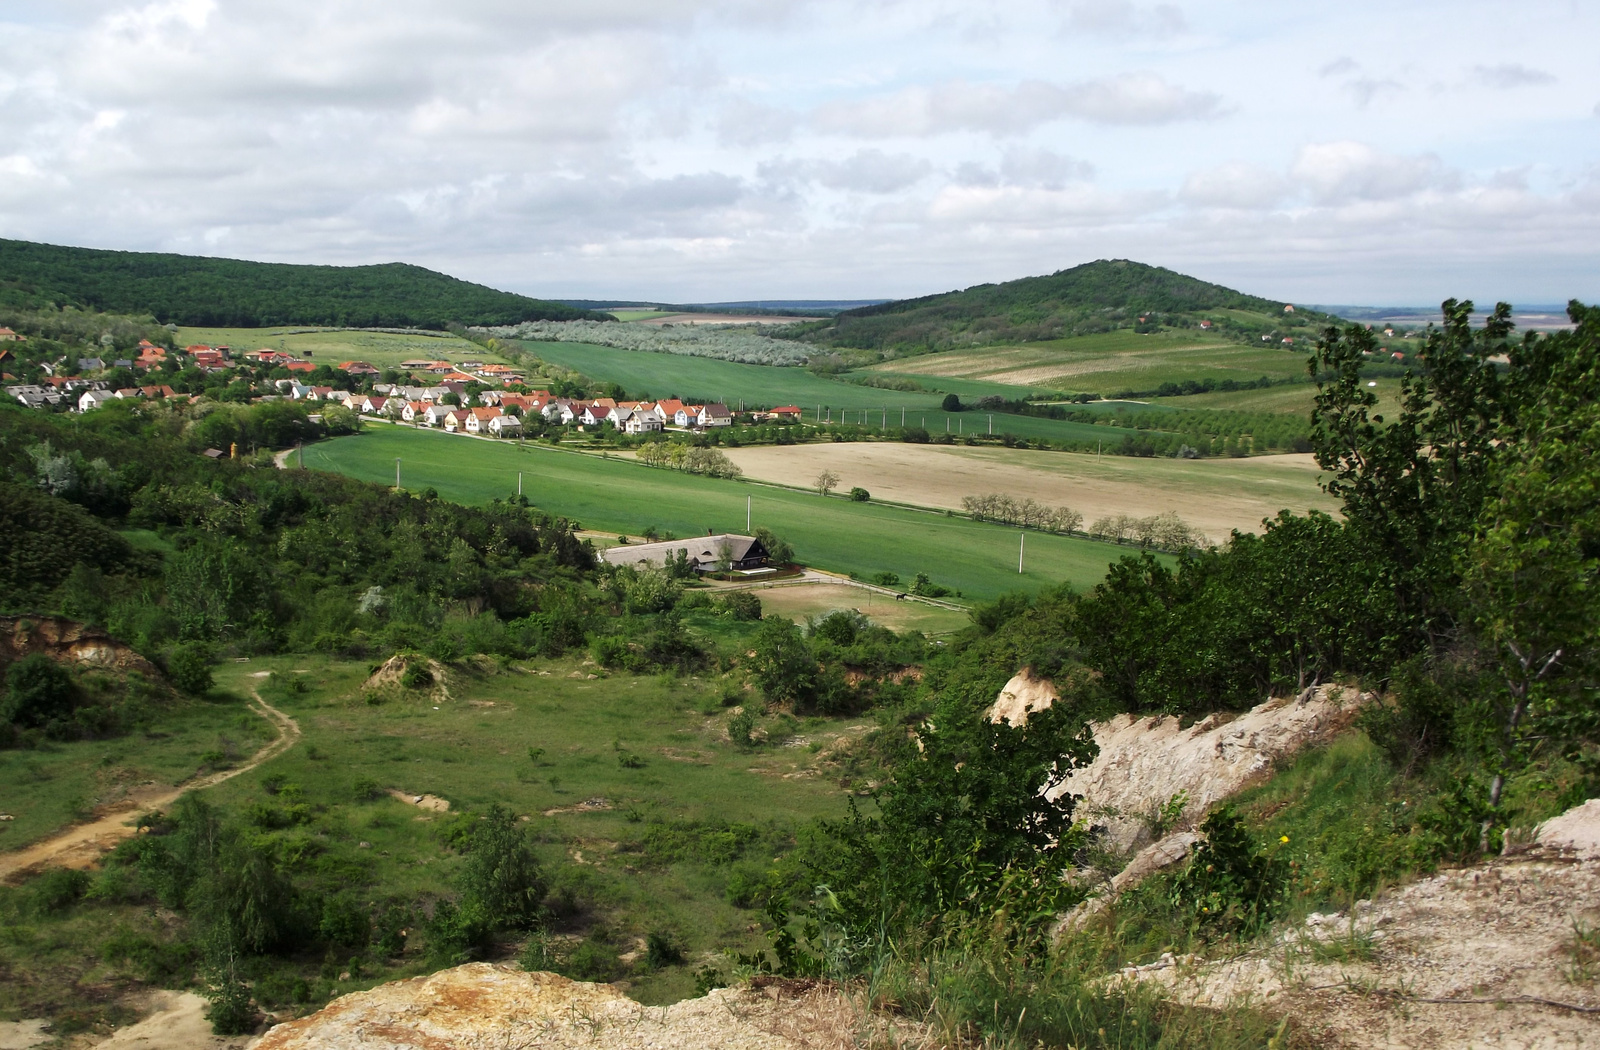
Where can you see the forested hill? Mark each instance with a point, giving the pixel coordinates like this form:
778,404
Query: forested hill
1095,297
192,290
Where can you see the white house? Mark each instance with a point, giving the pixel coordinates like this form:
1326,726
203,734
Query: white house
478,419
433,415
714,416
593,414
558,411
92,399
686,415
505,426
455,419
643,423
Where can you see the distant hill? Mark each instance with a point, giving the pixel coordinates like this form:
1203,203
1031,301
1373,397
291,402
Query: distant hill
232,293
1095,297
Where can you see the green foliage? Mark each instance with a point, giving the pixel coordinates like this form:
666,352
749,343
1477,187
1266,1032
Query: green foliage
417,675
58,889
39,692
189,667
740,725
742,605
1231,885
783,666
779,552
345,922
859,495
501,878
192,290
458,933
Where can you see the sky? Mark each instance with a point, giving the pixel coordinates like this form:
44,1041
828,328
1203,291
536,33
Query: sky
1356,152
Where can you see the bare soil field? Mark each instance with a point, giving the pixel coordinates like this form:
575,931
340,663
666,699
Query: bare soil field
1213,495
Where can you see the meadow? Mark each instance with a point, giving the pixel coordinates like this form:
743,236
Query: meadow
670,375
1107,363
332,345
619,495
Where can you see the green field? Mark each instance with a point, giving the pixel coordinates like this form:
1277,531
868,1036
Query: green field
57,784
330,346
645,374
1108,363
618,495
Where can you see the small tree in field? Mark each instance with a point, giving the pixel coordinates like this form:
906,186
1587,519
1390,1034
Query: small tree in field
826,482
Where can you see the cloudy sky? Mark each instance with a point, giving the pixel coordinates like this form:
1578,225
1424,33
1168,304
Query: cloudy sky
1349,152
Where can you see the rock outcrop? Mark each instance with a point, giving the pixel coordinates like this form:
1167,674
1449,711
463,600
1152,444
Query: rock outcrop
1145,764
481,1006
1022,696
69,642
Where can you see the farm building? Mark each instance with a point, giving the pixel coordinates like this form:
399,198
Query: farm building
705,553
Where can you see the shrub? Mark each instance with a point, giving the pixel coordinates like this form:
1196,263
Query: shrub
1230,886
662,949
740,726
457,933
189,667
742,605
38,691
59,889
345,922
416,675
501,875
593,960
859,495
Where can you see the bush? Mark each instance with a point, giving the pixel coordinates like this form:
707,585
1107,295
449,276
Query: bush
501,874
742,605
59,889
951,403
416,675
345,922
740,726
593,960
662,949
189,667
859,495
457,933
1229,886
38,691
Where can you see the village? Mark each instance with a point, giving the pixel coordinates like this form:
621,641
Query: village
470,397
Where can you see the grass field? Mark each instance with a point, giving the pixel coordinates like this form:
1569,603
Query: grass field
818,600
1290,399
1216,495
1106,364
589,812
55,784
619,495
383,349
671,375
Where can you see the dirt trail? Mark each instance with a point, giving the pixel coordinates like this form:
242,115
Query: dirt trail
82,845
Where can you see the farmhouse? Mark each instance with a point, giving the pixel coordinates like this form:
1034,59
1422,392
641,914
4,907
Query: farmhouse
704,553
8,336
785,414
714,416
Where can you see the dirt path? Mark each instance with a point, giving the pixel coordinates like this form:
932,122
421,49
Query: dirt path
82,845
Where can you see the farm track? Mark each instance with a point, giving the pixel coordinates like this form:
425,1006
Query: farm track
82,845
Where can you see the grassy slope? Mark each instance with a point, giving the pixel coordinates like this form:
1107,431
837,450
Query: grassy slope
619,495
667,375
50,787
331,346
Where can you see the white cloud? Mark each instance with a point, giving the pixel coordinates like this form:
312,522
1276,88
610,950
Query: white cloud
1347,171
1123,17
871,171
1235,185
959,105
1510,75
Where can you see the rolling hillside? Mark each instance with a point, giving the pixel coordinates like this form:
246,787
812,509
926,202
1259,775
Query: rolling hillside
1095,297
192,290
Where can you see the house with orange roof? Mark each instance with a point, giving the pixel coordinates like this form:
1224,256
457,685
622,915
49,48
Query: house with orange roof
477,421
300,366
8,336
357,368
786,413
412,410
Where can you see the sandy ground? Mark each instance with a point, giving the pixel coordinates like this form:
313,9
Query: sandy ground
1214,495
1480,957
82,845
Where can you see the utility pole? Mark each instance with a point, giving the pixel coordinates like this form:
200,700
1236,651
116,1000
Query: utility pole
991,426
747,515
397,472
519,482
902,417
1020,548
885,424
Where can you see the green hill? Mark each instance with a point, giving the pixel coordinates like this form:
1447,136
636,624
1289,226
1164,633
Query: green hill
1095,297
197,291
